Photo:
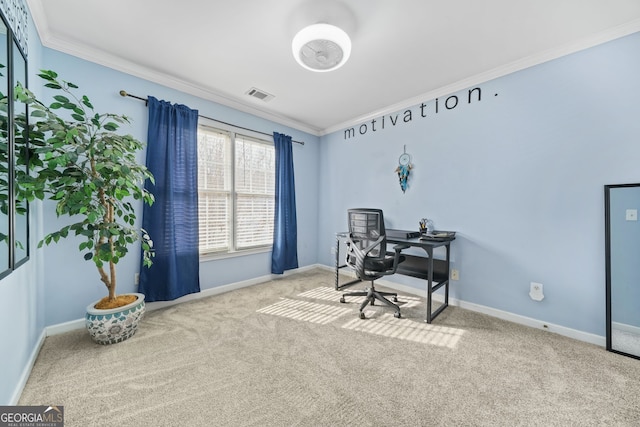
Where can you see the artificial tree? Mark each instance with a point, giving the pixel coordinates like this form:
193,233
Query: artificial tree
80,161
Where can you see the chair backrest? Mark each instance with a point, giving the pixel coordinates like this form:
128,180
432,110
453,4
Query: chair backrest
365,227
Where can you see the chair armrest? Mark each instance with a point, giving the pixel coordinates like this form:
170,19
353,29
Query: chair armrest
396,259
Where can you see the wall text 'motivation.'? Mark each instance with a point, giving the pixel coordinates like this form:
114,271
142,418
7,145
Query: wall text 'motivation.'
421,111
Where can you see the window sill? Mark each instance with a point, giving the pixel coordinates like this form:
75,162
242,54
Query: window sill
223,255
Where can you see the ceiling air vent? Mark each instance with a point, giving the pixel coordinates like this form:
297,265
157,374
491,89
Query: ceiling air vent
260,94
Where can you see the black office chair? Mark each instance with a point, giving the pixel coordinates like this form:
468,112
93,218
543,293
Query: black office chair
367,255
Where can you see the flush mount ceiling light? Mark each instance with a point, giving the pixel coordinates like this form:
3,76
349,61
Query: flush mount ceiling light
321,47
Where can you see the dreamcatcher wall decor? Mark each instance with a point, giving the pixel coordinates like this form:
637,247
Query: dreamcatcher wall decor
403,169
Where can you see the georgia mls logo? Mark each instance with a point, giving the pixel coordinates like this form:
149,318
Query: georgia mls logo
31,416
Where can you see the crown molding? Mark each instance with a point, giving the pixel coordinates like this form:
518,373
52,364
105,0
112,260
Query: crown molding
530,61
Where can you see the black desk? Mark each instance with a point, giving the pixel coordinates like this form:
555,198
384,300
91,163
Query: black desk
434,271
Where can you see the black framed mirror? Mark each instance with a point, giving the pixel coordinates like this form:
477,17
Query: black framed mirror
20,158
14,137
5,178
622,252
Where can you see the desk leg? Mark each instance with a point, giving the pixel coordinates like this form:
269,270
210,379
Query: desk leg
446,287
430,313
337,262
429,285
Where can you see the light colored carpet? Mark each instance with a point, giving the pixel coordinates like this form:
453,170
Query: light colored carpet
287,353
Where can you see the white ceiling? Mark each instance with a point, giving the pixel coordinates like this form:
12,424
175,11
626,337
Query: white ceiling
404,51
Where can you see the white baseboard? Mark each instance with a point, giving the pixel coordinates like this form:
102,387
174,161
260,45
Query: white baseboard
61,328
534,323
207,293
225,288
504,315
26,372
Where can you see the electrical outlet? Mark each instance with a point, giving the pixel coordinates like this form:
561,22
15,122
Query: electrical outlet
455,274
536,291
631,215
136,279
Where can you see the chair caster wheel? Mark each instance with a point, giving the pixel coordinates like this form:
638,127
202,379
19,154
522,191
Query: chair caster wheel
342,300
395,299
362,315
397,315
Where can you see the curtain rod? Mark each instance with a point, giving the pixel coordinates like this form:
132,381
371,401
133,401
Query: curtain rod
125,93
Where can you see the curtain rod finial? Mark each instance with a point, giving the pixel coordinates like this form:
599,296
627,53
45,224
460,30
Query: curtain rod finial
123,93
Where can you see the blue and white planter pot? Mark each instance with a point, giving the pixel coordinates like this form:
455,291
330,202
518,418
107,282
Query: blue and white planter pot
114,325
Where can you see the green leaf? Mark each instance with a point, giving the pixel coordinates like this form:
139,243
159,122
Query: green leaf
86,102
88,256
53,86
47,75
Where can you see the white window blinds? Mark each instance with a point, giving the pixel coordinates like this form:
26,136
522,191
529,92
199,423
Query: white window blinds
255,192
236,197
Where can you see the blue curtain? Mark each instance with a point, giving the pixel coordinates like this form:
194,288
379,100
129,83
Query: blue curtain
285,230
172,221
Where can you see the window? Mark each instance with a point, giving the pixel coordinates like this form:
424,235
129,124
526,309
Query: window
236,191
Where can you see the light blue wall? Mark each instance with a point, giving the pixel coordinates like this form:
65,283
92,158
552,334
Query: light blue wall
519,175
22,295
68,295
625,252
